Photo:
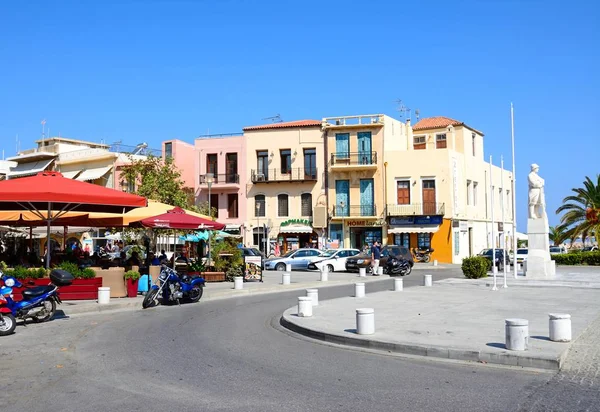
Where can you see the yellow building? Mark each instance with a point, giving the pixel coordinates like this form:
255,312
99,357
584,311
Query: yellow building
284,183
438,191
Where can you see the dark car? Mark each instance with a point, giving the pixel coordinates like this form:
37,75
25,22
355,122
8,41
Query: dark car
499,262
363,260
249,251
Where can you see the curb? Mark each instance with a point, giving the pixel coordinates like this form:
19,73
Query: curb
436,352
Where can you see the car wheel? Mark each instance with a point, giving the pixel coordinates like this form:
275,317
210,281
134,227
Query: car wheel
280,267
330,268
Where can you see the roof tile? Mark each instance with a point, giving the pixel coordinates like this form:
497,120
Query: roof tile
436,123
297,123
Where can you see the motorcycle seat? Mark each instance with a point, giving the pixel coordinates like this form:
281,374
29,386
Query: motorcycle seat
31,293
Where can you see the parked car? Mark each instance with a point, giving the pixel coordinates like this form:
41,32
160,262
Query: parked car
334,259
299,259
558,250
499,261
590,249
249,251
521,256
363,260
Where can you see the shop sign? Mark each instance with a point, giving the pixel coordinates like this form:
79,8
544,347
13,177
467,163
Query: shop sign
359,223
416,220
289,222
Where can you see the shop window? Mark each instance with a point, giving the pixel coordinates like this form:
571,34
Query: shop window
402,239
259,206
282,205
336,233
423,240
306,208
456,243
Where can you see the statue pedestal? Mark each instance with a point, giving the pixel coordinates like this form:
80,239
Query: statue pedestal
539,264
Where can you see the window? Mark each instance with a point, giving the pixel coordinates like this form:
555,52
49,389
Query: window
440,141
473,142
131,186
423,240
211,164
168,150
419,143
403,192
214,205
262,163
402,239
231,167
286,160
306,207
310,163
260,209
282,206
232,205
469,193
474,193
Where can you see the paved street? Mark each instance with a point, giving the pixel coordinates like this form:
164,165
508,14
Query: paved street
231,354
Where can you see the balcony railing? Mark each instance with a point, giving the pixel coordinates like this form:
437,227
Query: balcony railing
226,178
353,159
299,174
413,209
361,210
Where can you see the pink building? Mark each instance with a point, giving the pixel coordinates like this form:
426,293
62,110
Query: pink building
185,159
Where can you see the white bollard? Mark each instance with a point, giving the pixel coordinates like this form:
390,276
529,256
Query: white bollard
238,282
286,278
314,295
380,270
516,334
560,327
365,321
398,285
428,280
359,290
104,295
305,305
362,272
435,262
324,274
288,267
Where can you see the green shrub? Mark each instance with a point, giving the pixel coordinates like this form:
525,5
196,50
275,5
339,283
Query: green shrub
476,267
579,258
20,272
77,273
196,266
232,272
86,273
132,274
3,266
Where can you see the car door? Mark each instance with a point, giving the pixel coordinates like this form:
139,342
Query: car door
310,256
338,260
298,260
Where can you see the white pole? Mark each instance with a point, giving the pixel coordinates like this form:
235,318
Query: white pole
504,248
514,191
495,287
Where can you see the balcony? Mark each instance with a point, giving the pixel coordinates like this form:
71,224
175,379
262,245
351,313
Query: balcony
353,161
354,122
278,176
416,209
353,211
222,179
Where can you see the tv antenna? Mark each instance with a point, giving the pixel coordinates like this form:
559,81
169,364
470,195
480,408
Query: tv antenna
417,114
274,119
403,109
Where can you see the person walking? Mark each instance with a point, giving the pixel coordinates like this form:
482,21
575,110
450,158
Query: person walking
375,256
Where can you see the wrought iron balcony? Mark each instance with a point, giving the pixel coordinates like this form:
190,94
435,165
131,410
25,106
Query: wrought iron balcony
298,174
220,179
361,210
355,160
416,209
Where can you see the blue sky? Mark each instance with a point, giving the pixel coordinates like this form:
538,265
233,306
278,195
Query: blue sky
153,70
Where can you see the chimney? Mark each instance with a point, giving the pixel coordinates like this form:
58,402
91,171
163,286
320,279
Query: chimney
407,122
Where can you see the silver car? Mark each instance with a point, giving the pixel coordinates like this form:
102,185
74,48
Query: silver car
298,259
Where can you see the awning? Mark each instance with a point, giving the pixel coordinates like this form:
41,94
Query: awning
232,228
414,229
93,174
296,229
71,174
27,169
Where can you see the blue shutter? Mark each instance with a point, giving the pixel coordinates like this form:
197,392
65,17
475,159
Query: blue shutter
342,146
342,196
364,148
366,197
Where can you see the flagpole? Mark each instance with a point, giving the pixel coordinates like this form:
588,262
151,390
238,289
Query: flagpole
494,269
514,190
504,248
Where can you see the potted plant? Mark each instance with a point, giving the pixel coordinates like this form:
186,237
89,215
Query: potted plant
196,268
132,277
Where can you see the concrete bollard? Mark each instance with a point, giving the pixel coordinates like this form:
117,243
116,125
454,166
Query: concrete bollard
435,262
398,285
305,306
286,278
288,267
362,272
560,327
238,282
324,274
365,321
380,270
428,280
104,295
314,295
359,290
516,334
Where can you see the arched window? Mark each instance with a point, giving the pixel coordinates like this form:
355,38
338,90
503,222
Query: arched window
306,207
260,209
282,205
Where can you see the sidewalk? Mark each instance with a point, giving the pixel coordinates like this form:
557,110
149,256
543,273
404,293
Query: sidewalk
455,319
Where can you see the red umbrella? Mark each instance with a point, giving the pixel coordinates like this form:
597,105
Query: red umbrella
50,196
178,219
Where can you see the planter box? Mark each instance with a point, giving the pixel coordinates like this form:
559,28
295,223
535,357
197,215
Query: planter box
80,289
113,278
213,276
132,288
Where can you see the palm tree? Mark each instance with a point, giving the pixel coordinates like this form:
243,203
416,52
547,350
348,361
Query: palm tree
558,234
582,210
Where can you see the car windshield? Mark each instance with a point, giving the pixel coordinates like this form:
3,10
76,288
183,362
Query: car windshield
288,254
486,252
328,253
522,252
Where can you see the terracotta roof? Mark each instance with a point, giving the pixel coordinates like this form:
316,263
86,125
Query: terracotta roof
440,122
297,123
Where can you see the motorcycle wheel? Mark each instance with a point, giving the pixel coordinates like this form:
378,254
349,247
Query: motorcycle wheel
7,325
426,258
196,293
150,299
407,271
50,308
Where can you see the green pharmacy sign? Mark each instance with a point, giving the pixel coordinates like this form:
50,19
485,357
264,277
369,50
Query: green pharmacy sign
296,222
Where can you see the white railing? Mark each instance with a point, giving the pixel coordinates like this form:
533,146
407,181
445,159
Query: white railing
80,154
354,120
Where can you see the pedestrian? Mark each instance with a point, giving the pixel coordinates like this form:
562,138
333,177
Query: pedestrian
375,256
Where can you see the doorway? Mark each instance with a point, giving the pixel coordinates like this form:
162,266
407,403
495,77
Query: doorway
429,197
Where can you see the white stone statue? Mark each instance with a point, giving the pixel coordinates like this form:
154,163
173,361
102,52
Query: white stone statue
537,202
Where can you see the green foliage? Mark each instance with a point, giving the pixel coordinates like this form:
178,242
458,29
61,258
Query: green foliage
3,266
476,267
232,272
86,273
577,207
578,258
521,244
132,274
196,266
558,234
20,272
225,254
77,273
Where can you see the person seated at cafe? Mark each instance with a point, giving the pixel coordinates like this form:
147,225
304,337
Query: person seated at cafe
153,259
163,256
134,260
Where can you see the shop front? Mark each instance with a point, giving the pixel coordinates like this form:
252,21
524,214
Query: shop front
295,234
421,232
361,232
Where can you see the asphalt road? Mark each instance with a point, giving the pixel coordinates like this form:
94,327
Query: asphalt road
230,355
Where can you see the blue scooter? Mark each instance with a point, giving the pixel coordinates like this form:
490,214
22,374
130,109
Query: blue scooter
170,288
39,302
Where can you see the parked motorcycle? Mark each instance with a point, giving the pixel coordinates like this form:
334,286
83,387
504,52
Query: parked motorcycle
170,287
38,303
396,266
422,255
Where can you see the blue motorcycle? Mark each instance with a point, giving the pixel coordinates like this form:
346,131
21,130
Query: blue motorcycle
39,302
170,287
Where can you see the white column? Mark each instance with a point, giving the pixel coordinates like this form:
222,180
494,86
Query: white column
380,270
286,278
516,334
305,306
362,272
238,282
398,284
314,295
365,321
324,274
103,294
560,327
288,267
428,280
359,290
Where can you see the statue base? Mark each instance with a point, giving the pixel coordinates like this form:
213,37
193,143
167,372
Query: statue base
539,265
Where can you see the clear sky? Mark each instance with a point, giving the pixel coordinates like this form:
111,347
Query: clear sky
147,71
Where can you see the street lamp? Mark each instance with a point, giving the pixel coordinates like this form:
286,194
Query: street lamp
258,224
209,179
